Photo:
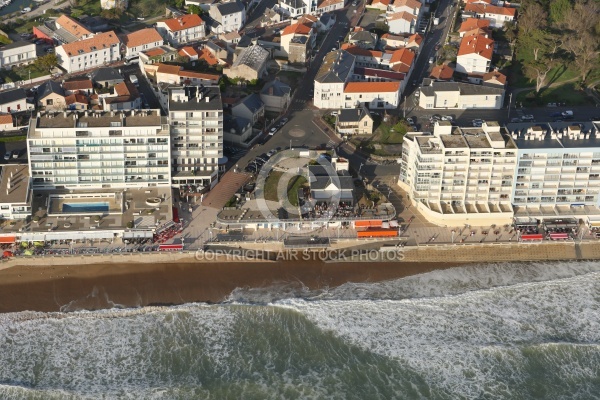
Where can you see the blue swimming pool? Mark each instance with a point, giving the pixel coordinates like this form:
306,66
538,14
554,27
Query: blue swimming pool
85,207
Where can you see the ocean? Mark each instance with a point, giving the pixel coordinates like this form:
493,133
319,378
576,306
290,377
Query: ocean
495,331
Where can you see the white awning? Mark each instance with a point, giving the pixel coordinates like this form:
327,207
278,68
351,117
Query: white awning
87,235
33,237
138,235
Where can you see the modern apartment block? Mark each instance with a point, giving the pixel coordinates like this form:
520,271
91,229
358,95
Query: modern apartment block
99,150
196,119
460,175
557,170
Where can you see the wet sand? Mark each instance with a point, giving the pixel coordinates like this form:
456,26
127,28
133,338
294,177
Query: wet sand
97,286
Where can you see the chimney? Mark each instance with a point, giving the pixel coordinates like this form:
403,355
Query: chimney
65,114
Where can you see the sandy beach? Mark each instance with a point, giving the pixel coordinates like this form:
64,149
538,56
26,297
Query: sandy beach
95,286
88,283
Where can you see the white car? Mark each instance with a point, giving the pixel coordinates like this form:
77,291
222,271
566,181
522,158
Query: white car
334,113
272,131
527,118
447,118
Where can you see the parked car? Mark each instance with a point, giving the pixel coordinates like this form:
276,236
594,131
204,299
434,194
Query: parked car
477,123
272,131
271,153
410,121
134,79
15,153
333,113
284,121
447,118
50,50
527,118
431,59
7,155
567,113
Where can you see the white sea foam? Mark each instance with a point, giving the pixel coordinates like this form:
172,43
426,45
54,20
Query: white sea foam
480,334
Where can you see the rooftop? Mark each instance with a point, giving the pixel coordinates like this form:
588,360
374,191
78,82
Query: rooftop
184,22
72,26
14,184
253,56
372,87
94,119
336,67
143,36
201,98
99,42
465,89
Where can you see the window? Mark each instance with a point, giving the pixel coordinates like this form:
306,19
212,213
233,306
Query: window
49,102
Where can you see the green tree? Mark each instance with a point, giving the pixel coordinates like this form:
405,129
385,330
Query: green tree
559,10
46,63
194,9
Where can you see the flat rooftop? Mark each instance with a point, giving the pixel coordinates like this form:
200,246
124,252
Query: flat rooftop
453,141
476,138
97,119
14,180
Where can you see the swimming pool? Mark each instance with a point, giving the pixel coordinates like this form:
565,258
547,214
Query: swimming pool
85,207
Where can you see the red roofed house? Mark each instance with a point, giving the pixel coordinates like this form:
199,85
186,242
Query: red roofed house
404,40
181,30
144,39
497,15
94,52
473,23
379,4
494,78
77,101
372,94
442,73
402,61
189,52
123,96
78,85
298,40
410,6
6,122
365,57
402,22
165,73
324,6
474,55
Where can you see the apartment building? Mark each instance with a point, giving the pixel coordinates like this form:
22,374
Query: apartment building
335,71
497,15
98,149
181,30
142,40
230,16
557,169
99,50
196,119
17,53
460,175
474,55
15,198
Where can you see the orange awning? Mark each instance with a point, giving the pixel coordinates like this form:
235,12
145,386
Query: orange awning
368,223
7,239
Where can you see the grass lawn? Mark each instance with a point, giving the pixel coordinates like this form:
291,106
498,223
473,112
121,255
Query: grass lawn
293,187
566,93
271,183
22,73
388,134
18,138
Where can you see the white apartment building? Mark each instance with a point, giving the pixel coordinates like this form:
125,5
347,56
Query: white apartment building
15,199
142,40
474,55
185,29
460,175
98,150
459,96
17,53
94,52
374,95
558,170
196,119
335,71
231,16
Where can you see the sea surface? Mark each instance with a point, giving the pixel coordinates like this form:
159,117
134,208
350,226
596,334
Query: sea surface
496,331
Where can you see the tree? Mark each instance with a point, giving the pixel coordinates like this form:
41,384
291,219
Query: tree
538,70
194,9
533,17
46,63
559,10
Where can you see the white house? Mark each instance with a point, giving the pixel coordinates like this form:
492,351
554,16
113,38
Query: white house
138,41
14,100
459,96
17,53
6,122
335,71
497,15
231,16
101,49
181,30
295,8
381,95
15,201
295,31
324,6
402,22
474,55
410,6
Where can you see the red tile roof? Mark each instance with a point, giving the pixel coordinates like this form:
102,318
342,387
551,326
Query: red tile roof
442,72
154,52
372,87
489,9
76,98
384,2
6,119
199,75
414,4
403,56
495,75
402,15
168,69
78,84
144,36
75,28
477,45
300,29
473,23
418,39
184,22
99,42
209,57
359,51
188,51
